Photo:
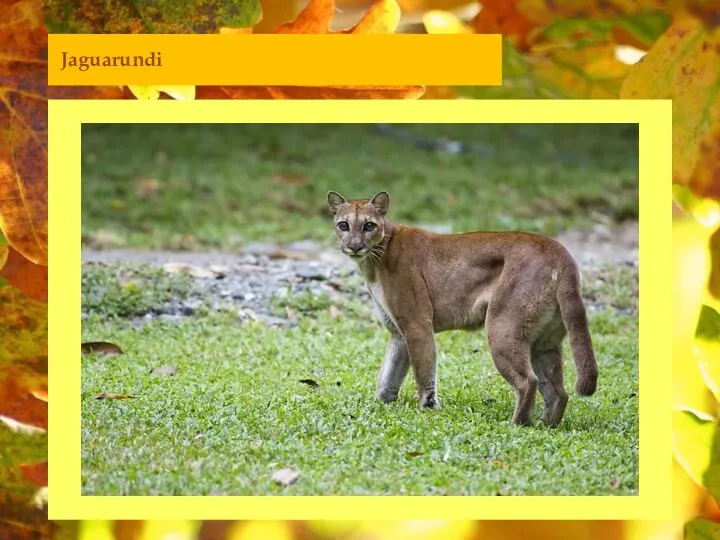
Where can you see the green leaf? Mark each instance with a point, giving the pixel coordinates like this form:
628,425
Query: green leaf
696,447
701,529
149,16
3,240
707,341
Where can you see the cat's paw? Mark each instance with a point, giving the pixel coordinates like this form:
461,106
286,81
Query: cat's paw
387,395
430,401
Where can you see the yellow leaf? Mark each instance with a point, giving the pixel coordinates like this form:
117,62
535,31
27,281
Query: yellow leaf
691,266
683,65
153,92
260,530
695,446
443,22
383,17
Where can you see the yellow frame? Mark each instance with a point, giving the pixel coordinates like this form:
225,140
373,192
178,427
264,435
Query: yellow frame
654,498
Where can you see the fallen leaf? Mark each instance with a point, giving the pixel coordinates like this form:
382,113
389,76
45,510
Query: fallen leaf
114,396
310,382
334,312
286,477
103,348
614,483
24,274
188,270
148,188
292,315
498,464
684,66
414,453
164,370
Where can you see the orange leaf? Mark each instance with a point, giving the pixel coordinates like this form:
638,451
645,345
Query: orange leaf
27,276
314,19
37,473
23,128
314,92
503,17
18,403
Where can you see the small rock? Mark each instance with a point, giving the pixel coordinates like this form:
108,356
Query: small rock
304,246
285,477
189,307
271,320
261,248
249,296
311,272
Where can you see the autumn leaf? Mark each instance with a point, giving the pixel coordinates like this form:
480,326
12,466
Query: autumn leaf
23,129
684,65
149,16
103,348
382,17
27,276
111,396
503,17
23,411
705,179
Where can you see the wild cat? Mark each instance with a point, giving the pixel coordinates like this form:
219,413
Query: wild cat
524,289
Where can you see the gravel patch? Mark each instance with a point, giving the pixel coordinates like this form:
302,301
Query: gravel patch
246,283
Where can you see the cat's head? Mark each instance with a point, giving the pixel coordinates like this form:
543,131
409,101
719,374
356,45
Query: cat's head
359,224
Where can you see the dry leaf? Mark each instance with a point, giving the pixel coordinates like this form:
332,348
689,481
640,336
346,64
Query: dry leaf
27,276
188,270
285,477
164,370
292,315
19,427
104,395
334,312
684,65
498,464
148,188
503,17
414,453
23,117
37,473
310,382
102,348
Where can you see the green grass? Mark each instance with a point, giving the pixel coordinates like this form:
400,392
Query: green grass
220,186
235,411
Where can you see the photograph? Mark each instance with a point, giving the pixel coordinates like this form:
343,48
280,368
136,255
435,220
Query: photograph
360,309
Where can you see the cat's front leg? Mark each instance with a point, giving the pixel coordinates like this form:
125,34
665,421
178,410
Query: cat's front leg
393,370
420,340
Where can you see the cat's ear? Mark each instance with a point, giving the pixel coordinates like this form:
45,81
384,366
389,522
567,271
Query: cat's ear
381,201
335,201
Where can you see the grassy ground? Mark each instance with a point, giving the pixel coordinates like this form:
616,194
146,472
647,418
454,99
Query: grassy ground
235,411
220,186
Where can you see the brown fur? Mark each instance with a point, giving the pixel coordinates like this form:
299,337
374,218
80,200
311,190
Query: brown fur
524,289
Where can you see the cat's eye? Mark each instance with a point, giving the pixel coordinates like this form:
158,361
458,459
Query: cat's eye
343,226
369,226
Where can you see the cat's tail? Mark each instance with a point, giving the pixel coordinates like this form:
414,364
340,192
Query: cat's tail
574,317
